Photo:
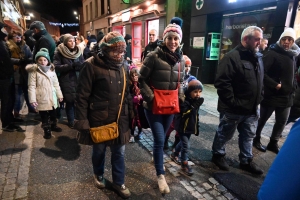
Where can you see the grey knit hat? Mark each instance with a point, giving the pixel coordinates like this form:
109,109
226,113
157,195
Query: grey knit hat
67,36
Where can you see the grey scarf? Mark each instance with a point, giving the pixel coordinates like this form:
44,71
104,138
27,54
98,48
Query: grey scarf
44,68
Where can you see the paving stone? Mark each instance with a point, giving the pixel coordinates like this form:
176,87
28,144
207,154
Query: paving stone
189,188
167,165
193,183
214,192
206,186
196,194
11,175
21,192
207,196
176,174
221,198
9,187
8,194
213,181
184,183
200,189
11,180
228,195
221,188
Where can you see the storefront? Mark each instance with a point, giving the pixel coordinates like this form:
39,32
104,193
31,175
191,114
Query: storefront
137,21
215,30
11,15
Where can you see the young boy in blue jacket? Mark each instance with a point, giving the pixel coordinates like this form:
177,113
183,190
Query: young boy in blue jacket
187,123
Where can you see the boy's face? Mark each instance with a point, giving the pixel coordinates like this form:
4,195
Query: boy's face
42,61
195,94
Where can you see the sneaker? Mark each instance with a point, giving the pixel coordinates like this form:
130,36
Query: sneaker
131,139
18,128
139,136
252,168
186,168
99,181
12,128
122,190
175,158
220,161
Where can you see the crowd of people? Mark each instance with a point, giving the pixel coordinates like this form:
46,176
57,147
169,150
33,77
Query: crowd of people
88,77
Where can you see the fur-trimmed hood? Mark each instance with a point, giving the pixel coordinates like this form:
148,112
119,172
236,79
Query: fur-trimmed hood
34,67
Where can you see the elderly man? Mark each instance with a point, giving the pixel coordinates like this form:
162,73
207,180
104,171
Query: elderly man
239,84
43,39
279,87
152,43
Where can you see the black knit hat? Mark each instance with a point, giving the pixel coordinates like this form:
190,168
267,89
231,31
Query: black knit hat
38,25
193,85
127,37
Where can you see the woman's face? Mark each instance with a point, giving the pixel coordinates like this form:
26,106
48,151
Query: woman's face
135,77
116,54
172,42
71,43
78,41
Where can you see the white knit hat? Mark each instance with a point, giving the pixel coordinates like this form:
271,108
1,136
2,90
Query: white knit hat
288,32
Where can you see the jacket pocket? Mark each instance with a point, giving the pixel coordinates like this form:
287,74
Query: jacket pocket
99,110
248,70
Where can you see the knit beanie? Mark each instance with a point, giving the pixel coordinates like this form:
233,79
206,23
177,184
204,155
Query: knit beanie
67,36
193,85
174,28
43,53
191,78
3,32
38,25
127,37
113,41
100,35
288,32
188,61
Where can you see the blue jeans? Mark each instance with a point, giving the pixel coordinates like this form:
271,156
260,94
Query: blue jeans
183,146
159,125
246,126
70,112
117,161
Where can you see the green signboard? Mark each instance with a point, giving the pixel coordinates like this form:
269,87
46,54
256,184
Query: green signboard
213,46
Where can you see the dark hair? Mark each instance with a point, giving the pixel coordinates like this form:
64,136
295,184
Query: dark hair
11,35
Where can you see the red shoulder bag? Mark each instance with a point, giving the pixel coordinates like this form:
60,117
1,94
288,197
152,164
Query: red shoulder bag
166,102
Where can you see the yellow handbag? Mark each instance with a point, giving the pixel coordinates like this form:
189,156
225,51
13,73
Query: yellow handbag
109,131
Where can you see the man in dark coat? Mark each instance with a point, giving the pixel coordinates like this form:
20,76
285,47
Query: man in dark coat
153,43
239,84
43,39
128,54
6,84
279,87
30,41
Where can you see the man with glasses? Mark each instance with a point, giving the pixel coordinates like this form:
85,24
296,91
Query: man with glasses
279,87
152,43
239,84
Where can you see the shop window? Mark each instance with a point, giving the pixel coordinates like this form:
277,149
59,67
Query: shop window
91,10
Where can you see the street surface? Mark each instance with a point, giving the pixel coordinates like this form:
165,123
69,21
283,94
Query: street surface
34,168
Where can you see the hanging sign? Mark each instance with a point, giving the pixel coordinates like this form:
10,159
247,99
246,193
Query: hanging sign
63,24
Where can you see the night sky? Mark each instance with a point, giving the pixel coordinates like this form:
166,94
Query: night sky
62,10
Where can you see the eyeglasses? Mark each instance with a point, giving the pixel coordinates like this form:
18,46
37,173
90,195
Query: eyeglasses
151,34
115,53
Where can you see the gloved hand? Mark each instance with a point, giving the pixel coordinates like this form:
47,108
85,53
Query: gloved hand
197,102
76,66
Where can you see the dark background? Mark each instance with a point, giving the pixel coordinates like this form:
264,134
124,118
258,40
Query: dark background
61,10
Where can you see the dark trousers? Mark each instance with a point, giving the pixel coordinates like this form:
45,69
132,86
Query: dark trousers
46,115
281,117
7,101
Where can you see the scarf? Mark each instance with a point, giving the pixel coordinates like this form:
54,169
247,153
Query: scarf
293,51
65,51
104,55
136,89
172,57
44,68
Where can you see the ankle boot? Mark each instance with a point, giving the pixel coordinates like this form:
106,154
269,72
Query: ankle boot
47,133
162,184
55,128
186,168
273,146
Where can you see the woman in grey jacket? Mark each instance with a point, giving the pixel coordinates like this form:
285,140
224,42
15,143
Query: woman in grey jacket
160,71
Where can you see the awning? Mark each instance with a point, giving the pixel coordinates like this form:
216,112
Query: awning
11,24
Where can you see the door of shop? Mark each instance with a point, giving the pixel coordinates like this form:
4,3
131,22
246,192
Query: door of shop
136,41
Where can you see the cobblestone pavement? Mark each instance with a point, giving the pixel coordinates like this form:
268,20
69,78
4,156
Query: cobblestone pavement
16,152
